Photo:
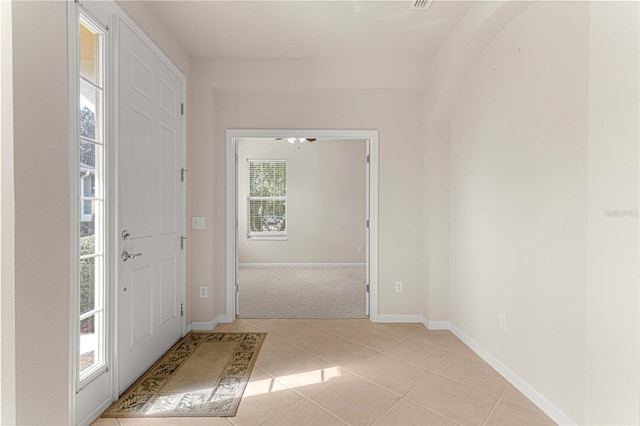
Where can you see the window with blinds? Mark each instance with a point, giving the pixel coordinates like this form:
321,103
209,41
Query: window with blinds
267,200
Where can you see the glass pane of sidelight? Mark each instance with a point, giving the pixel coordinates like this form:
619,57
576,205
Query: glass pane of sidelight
90,342
87,157
90,112
87,223
87,279
90,55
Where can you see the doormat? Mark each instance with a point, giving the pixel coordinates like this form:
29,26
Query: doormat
203,375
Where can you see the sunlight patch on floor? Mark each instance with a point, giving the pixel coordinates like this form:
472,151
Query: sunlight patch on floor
297,380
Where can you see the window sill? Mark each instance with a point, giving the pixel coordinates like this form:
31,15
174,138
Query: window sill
267,237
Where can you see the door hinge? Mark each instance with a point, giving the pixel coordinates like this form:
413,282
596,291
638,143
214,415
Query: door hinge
237,288
367,288
182,309
183,173
182,108
182,241
368,158
367,223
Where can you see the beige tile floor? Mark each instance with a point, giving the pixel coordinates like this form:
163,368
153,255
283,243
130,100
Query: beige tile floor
355,372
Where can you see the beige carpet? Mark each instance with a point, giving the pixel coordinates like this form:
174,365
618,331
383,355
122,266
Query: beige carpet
302,293
203,375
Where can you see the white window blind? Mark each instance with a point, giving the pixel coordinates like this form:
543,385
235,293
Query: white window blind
267,200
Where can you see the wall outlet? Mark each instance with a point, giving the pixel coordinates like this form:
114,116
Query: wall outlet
204,292
502,322
197,222
399,287
360,249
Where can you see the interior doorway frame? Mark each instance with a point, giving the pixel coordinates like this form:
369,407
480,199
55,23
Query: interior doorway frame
231,262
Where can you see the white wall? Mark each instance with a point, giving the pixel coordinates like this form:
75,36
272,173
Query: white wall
543,141
326,201
612,252
42,211
309,99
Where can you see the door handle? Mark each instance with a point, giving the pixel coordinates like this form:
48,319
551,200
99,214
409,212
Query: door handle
126,256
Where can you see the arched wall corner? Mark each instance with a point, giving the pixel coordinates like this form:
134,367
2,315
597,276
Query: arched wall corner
453,61
450,67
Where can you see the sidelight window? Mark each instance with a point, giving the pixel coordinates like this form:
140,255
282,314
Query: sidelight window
91,215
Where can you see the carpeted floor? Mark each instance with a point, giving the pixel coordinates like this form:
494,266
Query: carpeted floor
302,292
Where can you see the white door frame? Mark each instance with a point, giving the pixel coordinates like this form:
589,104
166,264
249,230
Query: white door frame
232,137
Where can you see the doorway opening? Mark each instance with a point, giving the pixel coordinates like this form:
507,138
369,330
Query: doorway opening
301,224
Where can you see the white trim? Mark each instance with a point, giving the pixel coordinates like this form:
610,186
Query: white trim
208,325
436,325
232,135
74,207
301,265
92,416
547,407
417,318
203,326
224,319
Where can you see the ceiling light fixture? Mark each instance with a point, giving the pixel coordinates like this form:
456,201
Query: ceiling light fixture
301,140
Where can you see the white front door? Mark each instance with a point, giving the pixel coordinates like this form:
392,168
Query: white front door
150,214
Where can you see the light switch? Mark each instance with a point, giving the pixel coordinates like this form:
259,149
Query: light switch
197,222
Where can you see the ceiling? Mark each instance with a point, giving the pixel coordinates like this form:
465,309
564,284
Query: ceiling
308,29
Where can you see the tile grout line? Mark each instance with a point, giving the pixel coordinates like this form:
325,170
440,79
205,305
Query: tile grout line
387,410
471,386
495,404
419,404
281,412
327,411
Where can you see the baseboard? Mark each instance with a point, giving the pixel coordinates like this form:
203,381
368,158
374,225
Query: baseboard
549,409
302,265
223,319
187,328
397,318
436,325
208,325
203,326
91,417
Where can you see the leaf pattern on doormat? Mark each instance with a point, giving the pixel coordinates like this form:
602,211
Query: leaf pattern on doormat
132,403
192,401
145,397
150,385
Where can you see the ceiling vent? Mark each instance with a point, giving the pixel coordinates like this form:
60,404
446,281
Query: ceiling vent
420,4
